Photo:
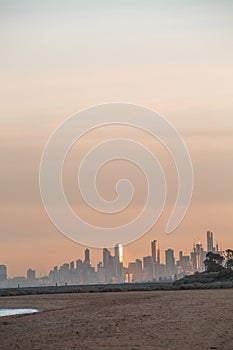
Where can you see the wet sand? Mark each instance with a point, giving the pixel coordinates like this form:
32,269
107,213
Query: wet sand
182,320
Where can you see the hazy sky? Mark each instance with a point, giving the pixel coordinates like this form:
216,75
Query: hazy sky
60,56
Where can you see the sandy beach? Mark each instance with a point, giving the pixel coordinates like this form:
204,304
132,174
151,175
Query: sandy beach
127,320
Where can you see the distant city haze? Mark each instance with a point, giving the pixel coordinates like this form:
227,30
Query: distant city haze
112,269
57,58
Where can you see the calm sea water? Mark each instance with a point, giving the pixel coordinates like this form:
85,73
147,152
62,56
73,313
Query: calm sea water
11,312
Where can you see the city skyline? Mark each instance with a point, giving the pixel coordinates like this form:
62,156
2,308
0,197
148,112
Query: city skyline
193,261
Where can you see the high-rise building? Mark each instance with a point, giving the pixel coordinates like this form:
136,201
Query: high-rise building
180,255
3,272
79,265
138,270
72,265
155,251
184,265
106,257
132,271
100,273
31,275
210,244
87,256
158,254
170,262
118,250
108,261
147,268
64,272
198,256
118,263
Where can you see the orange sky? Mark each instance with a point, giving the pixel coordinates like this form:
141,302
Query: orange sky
174,58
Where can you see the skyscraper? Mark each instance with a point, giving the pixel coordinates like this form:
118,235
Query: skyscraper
210,245
118,249
138,268
148,268
132,271
31,275
106,257
108,261
118,262
198,256
155,252
158,254
87,256
3,272
170,262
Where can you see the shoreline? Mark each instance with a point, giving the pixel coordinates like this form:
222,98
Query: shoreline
113,288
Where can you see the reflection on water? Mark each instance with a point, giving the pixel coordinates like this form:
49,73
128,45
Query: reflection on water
11,312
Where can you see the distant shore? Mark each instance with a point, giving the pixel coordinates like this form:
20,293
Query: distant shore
190,282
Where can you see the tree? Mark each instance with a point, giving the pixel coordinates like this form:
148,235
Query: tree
213,262
229,259
229,264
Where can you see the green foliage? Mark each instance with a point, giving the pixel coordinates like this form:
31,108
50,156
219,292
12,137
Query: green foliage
213,262
229,259
229,264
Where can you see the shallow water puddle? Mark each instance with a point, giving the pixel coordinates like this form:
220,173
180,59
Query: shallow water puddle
12,312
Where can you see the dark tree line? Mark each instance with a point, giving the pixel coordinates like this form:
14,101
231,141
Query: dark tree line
216,262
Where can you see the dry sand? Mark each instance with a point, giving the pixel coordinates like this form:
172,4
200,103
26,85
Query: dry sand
179,320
